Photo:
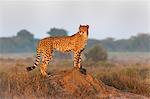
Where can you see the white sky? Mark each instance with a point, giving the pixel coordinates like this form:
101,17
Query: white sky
106,18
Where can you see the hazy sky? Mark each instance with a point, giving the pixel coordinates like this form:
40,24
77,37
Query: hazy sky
106,18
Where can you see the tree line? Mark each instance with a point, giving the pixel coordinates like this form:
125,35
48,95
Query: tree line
24,41
138,43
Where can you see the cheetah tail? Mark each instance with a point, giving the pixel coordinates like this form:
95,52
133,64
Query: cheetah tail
36,62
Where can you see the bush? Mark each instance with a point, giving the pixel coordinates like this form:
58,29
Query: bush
97,53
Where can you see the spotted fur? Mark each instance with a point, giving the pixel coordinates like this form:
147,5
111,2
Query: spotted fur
75,43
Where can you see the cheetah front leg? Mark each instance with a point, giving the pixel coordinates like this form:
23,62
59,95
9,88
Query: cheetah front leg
77,62
77,59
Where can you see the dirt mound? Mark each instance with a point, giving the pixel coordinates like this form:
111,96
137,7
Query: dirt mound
79,85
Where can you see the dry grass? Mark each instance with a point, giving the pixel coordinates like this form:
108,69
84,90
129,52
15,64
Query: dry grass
133,78
17,84
14,82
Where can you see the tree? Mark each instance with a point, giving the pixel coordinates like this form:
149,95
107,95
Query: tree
23,42
108,43
57,32
141,42
97,53
24,34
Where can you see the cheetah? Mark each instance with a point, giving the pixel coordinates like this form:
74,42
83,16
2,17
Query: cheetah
74,43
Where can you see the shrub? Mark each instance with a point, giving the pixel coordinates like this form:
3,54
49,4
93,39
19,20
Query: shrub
97,53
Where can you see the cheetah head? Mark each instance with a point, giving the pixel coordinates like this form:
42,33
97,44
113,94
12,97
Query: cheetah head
83,30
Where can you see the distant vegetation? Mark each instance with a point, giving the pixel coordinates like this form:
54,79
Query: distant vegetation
57,32
24,41
97,53
139,43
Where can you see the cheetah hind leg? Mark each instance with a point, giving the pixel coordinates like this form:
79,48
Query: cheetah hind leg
82,70
45,60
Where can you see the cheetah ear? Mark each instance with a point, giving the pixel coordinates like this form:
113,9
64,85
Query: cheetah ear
87,26
80,26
